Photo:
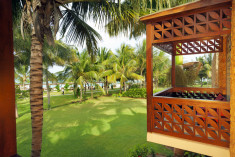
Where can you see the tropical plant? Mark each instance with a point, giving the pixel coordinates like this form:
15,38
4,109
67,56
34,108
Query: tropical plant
140,55
105,60
125,67
57,55
140,151
206,70
43,20
161,67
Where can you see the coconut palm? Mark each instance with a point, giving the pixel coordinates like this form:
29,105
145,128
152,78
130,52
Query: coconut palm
132,26
105,60
161,66
43,19
125,67
57,55
206,69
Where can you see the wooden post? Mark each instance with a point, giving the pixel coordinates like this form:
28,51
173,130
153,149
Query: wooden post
173,69
7,86
149,75
232,85
222,66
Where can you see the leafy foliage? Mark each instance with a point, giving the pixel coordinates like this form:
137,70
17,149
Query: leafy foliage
135,93
58,88
140,151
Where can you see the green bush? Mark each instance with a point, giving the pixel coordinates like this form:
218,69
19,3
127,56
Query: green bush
135,93
134,86
192,154
58,88
66,87
140,151
21,94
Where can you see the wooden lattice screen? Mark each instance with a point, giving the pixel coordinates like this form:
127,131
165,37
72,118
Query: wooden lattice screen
202,24
199,46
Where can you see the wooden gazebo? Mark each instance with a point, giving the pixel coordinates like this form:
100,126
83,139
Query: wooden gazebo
185,117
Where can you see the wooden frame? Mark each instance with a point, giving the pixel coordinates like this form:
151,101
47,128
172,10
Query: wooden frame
178,32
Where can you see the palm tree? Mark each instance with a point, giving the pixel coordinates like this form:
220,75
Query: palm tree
205,72
132,26
105,59
161,66
44,16
140,55
125,67
57,55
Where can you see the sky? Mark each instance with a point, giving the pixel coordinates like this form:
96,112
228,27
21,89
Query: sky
112,43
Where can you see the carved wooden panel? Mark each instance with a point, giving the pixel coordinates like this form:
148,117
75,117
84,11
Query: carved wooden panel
199,46
202,24
199,120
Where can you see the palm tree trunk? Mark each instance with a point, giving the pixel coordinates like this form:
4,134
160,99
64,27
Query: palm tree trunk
36,94
124,86
107,86
85,88
81,94
92,91
120,88
75,89
48,92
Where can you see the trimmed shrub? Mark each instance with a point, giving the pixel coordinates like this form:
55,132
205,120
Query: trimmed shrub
135,93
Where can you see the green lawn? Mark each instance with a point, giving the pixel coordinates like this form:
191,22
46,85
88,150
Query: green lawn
102,127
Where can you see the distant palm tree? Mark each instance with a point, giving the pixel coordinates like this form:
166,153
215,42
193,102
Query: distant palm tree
206,69
161,66
57,55
105,60
140,55
125,67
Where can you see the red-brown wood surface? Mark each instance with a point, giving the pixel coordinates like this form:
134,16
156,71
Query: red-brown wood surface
7,92
200,120
149,75
197,24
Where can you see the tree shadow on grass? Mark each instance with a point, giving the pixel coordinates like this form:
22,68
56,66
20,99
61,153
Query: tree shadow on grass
108,128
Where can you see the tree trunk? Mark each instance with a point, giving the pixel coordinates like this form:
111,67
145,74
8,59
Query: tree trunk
201,82
107,86
124,86
36,94
75,89
48,92
120,88
81,94
92,91
85,89
23,84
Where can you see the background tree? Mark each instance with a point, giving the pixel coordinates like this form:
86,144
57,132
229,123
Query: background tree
140,55
126,65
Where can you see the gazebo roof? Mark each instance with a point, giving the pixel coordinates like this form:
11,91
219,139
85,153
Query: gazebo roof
188,7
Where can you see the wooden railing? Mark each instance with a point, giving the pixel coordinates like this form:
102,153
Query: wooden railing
206,121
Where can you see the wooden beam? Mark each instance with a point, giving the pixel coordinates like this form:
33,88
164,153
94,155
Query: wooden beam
232,85
198,5
7,92
149,75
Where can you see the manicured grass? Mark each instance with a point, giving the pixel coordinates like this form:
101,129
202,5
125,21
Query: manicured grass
102,127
